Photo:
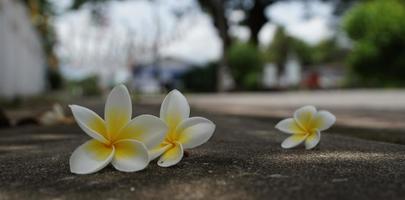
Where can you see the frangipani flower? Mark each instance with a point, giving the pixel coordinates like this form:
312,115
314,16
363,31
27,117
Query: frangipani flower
117,139
306,125
183,132
55,116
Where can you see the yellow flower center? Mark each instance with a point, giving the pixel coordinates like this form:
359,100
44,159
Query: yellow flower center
171,135
109,144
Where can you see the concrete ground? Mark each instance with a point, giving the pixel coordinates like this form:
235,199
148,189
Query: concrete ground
369,114
243,160
380,109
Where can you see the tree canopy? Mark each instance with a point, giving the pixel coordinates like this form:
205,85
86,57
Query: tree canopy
378,31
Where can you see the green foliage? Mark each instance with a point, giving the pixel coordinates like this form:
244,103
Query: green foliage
283,44
378,30
86,87
327,51
246,64
79,3
280,47
201,78
303,51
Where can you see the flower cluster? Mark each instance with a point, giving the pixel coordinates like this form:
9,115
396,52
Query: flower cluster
130,144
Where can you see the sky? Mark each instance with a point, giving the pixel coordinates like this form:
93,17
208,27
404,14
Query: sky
292,15
193,39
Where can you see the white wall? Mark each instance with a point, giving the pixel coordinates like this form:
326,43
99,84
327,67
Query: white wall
22,64
292,72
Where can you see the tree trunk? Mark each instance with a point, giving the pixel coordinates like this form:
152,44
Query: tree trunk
218,11
256,20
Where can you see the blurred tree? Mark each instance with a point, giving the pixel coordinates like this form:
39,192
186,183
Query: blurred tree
254,10
284,45
303,50
85,87
378,31
255,19
201,78
246,64
149,43
327,51
76,4
40,12
279,49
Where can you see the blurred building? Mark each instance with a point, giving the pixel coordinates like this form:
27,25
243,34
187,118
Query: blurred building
22,64
321,76
290,77
324,76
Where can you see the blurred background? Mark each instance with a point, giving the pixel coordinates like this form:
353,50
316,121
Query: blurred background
54,50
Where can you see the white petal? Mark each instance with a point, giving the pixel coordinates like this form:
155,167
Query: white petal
130,156
58,110
174,109
293,141
90,122
90,157
289,126
48,118
323,120
147,129
157,151
118,109
304,116
194,131
312,140
171,156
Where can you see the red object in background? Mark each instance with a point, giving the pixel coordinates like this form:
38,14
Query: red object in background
312,81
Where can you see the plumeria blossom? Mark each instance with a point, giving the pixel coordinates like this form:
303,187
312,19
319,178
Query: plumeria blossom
184,132
117,140
306,125
55,116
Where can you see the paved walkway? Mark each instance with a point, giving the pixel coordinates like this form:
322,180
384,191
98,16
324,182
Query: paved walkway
370,114
243,160
381,109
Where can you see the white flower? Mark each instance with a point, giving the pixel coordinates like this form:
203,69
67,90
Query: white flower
55,116
183,133
117,139
306,125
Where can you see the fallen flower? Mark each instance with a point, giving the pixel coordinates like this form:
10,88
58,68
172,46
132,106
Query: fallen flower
55,116
183,132
117,139
306,125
